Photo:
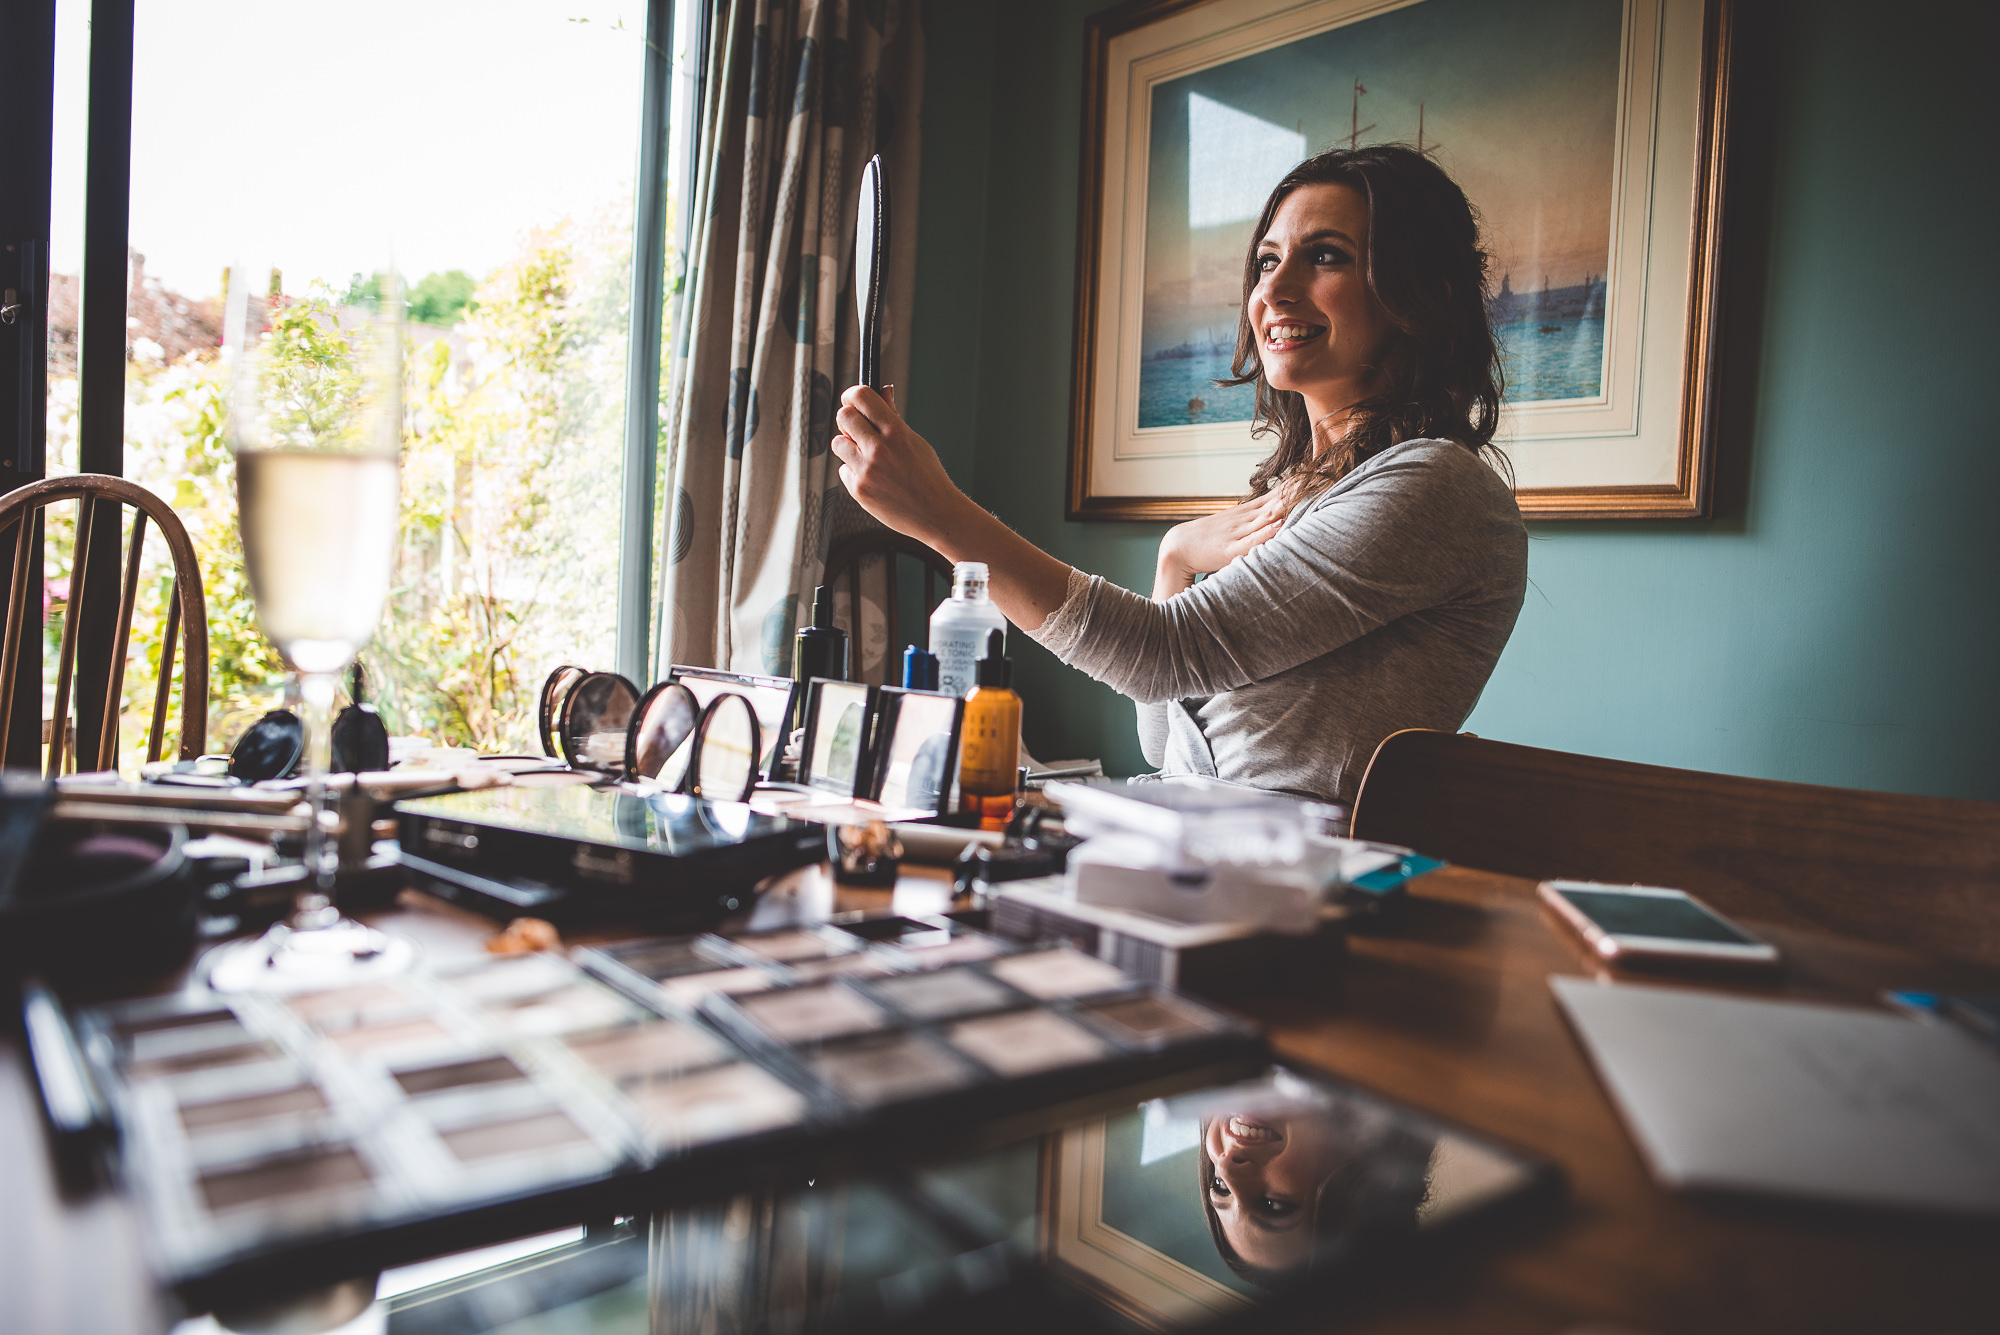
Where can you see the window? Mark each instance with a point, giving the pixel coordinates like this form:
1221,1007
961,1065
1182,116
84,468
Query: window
492,155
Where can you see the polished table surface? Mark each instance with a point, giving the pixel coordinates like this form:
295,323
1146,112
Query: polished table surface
1445,1005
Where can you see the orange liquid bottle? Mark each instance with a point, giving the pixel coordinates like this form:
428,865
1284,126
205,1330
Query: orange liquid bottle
990,747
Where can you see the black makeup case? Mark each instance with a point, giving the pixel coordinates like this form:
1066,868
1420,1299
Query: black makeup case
577,853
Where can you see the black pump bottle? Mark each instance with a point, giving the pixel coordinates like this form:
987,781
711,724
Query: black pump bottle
821,648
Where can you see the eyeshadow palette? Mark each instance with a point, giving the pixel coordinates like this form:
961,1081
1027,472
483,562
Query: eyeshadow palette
318,1135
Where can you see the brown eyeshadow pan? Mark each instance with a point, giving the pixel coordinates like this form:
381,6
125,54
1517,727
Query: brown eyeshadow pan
1025,1042
205,1058
413,1029
857,964
172,1042
253,1107
944,994
810,1014
664,959
153,1024
518,1135
349,1005
888,1068
457,1075
959,950
785,947
578,1006
665,1046
1148,1019
310,1172
1049,974
734,1100
689,989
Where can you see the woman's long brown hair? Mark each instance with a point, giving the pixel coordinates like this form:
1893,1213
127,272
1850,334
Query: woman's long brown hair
1440,374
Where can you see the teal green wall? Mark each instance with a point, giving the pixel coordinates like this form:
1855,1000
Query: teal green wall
1837,622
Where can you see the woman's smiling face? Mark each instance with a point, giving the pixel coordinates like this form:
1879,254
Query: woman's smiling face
1320,330
1266,1173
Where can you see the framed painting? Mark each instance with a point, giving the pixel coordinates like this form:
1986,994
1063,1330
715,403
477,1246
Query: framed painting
1589,136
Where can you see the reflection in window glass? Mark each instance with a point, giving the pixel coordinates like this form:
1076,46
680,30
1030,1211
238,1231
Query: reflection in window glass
488,152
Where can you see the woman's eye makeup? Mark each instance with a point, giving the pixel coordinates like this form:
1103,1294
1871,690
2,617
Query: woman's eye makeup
1270,259
1216,1185
1277,1209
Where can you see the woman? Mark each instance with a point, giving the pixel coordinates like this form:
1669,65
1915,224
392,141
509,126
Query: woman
1372,578
1288,1189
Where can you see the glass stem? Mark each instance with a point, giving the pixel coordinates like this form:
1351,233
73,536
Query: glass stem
314,907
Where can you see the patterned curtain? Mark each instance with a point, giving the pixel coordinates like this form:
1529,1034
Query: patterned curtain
798,95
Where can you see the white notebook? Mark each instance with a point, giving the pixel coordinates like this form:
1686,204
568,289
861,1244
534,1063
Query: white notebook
1790,1098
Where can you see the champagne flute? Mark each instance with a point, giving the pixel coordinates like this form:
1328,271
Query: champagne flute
315,420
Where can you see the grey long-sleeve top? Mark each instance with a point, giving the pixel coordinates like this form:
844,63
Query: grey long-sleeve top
1383,603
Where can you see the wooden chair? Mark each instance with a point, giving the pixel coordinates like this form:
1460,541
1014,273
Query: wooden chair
1922,872
100,501
900,569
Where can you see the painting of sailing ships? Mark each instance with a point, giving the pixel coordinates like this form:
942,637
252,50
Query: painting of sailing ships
1519,102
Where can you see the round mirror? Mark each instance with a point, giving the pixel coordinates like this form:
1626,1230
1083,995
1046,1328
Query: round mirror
554,688
665,721
595,718
726,746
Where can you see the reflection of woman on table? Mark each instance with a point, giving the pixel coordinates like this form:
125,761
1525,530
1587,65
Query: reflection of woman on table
1286,1191
1372,578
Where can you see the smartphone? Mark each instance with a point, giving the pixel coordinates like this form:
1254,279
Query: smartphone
1639,924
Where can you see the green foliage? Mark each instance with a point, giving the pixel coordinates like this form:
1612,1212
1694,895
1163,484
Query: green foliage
441,297
510,478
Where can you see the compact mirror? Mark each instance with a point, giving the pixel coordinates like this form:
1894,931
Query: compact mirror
665,721
871,254
916,753
596,714
723,763
771,697
555,687
836,742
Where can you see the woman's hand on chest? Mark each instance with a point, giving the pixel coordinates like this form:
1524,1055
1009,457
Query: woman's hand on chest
1204,546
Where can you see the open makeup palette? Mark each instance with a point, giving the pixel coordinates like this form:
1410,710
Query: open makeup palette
284,1139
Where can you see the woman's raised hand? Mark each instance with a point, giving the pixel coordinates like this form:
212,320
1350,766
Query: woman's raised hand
889,469
1204,546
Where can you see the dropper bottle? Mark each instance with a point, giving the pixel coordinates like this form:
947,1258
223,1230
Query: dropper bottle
990,755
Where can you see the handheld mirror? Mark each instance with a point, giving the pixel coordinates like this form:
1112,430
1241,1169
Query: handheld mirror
554,688
871,263
723,765
596,716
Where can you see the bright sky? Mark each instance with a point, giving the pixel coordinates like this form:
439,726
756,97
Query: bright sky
325,137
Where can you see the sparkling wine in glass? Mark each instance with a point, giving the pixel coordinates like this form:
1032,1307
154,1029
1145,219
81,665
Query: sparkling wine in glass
315,412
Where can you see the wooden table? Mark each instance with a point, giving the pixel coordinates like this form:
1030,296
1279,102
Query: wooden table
1446,1007
1450,1009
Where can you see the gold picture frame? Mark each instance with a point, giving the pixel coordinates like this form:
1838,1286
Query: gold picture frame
1616,345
